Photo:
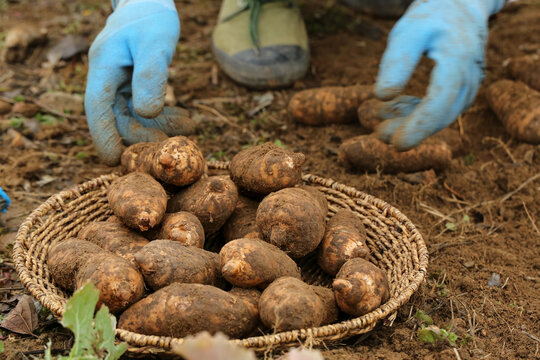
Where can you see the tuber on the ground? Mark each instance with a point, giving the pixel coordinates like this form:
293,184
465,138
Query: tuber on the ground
360,287
163,262
526,69
212,200
73,262
517,106
242,223
250,263
289,304
138,200
367,153
114,237
368,114
344,239
180,309
293,219
266,168
328,105
177,160
181,226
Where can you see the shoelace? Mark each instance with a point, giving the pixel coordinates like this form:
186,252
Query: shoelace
254,7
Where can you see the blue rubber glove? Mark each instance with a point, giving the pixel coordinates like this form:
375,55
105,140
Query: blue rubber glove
453,33
128,73
4,201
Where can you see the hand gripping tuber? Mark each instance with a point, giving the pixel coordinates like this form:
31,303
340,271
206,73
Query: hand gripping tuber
128,72
453,33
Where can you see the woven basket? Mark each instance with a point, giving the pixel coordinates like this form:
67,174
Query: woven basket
396,246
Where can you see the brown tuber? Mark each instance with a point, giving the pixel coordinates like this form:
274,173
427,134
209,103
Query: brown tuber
266,168
114,237
293,219
518,107
212,200
242,223
180,309
181,226
526,69
328,105
367,153
73,262
360,287
289,304
163,262
138,200
251,263
344,239
177,160
368,114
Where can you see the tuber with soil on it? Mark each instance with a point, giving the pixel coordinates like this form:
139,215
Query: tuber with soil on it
360,287
526,69
176,161
73,262
114,237
517,106
180,309
181,226
328,105
163,262
293,219
212,200
289,304
138,200
251,263
367,153
242,223
368,114
266,168
344,239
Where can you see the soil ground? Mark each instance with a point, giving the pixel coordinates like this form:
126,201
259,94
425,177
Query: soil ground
479,217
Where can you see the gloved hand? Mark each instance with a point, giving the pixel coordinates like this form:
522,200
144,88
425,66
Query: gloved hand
128,72
4,201
453,33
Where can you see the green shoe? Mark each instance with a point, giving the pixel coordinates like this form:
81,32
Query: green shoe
261,43
382,8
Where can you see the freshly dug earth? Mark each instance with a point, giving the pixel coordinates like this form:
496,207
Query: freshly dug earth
482,234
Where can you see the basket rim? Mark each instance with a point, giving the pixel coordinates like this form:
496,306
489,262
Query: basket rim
150,343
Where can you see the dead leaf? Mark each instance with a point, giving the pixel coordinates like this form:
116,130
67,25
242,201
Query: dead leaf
23,319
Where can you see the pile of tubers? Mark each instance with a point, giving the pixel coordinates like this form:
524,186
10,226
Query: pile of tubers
152,267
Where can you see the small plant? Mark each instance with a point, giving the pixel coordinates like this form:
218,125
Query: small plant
430,333
94,336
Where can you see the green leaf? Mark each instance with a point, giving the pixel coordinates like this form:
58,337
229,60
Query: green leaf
46,119
452,338
469,159
423,317
105,324
78,318
427,336
48,354
1,347
16,122
81,155
280,144
18,98
451,226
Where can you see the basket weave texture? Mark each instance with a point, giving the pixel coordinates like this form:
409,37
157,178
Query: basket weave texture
396,247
